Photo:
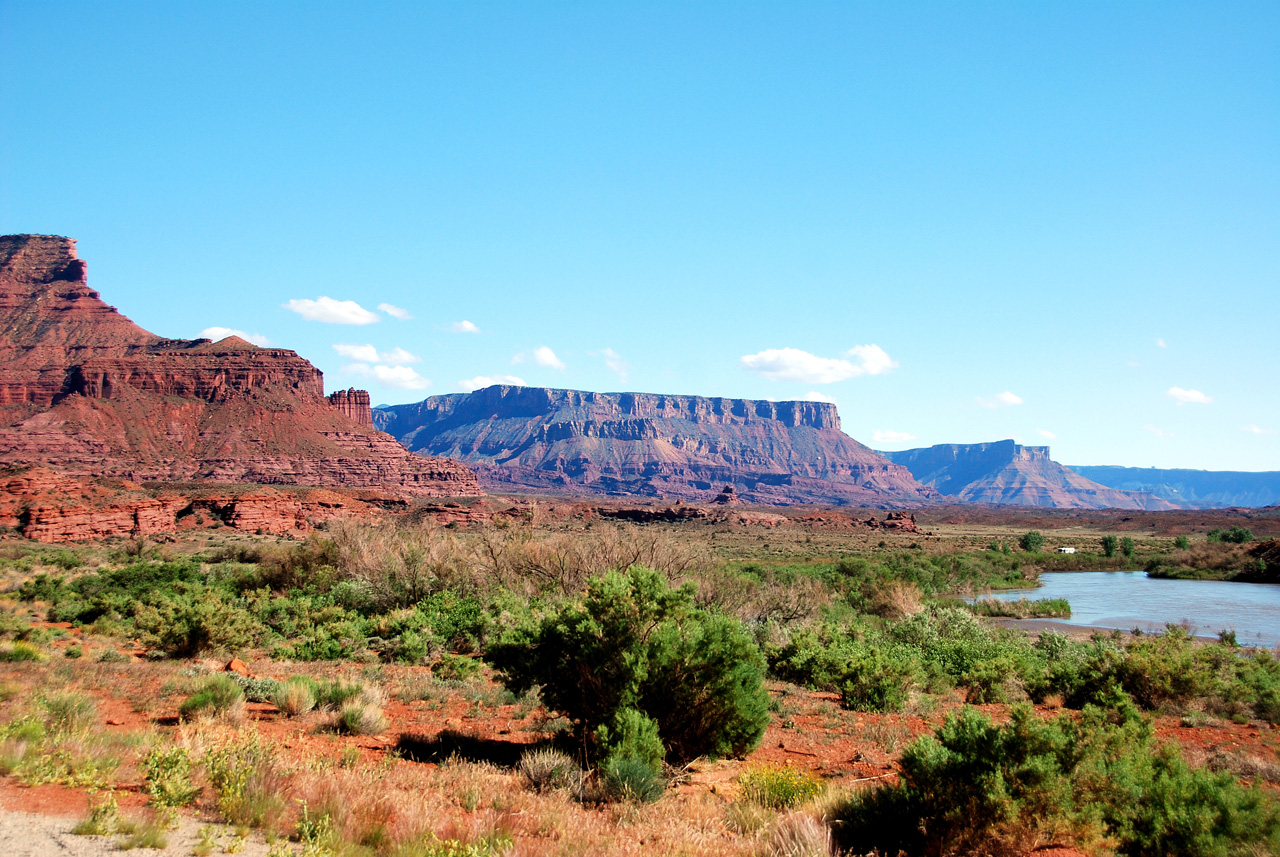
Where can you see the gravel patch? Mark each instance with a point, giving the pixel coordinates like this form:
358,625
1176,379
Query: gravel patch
25,834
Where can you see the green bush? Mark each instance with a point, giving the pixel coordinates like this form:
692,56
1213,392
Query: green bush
1032,541
183,627
974,787
1237,535
630,779
1126,547
218,694
168,777
456,667
633,735
1109,545
876,681
634,642
1182,543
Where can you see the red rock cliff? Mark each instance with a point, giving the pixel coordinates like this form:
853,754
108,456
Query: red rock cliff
355,404
85,390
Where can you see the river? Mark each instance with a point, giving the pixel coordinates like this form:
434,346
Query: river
1130,599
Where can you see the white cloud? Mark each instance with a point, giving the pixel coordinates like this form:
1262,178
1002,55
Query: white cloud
1000,400
331,311
890,436
395,311
481,381
815,396
792,364
1188,397
615,362
1046,434
464,326
542,355
400,377
1254,429
1161,343
872,359
220,333
1157,431
369,354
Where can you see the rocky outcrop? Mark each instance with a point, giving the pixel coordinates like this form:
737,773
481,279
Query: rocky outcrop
354,404
1192,489
86,391
47,506
679,447
1007,473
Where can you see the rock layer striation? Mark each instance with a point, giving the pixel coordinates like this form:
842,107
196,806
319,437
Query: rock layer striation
684,447
86,391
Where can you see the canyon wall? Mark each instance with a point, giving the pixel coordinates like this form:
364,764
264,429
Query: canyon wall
86,391
682,447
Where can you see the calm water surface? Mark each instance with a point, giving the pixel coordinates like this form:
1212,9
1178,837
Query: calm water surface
1130,599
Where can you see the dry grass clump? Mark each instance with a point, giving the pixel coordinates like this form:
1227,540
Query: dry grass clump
896,599
295,696
798,834
358,717
546,769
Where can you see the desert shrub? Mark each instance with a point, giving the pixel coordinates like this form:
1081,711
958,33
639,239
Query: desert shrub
256,689
877,680
632,735
1237,535
399,566
974,787
294,696
103,818
635,642
183,627
1126,547
1032,541
1023,608
1182,543
456,667
625,778
357,717
21,650
332,695
1109,545
219,694
546,769
246,780
68,712
778,786
168,777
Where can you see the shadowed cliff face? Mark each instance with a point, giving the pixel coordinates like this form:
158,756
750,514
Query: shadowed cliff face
85,390
1008,473
686,447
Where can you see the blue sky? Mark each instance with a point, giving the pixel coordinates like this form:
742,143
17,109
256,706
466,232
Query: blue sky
960,221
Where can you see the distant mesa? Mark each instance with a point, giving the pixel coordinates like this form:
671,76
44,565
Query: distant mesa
1193,489
1007,473
86,392
677,447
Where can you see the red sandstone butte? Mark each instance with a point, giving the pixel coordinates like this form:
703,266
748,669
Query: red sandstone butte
87,392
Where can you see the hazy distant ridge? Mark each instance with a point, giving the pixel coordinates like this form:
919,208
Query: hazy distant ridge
1203,489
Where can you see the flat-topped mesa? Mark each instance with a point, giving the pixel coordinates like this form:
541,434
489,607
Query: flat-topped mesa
354,404
1007,473
687,447
569,406
85,390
